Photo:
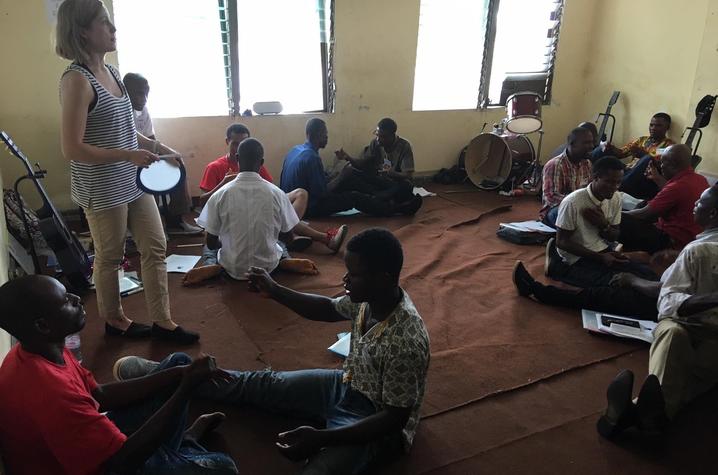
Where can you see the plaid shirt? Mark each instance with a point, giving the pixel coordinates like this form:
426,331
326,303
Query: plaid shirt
561,177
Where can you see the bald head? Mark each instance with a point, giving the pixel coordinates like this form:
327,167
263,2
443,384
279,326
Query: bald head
675,159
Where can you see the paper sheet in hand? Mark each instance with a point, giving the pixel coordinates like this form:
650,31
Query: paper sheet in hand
625,327
341,347
530,226
181,264
423,192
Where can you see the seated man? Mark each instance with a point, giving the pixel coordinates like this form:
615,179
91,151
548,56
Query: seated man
224,169
244,219
587,222
385,167
683,361
667,220
566,173
180,203
52,417
590,126
303,168
643,149
370,408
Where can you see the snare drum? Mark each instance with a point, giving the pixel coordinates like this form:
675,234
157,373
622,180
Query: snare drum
493,160
524,112
161,177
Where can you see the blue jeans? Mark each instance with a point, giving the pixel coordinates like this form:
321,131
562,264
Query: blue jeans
550,218
315,394
635,182
177,456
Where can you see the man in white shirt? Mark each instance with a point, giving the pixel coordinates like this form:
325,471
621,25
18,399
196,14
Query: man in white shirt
683,362
245,217
586,226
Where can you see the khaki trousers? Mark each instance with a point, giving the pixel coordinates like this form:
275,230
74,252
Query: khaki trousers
685,360
108,228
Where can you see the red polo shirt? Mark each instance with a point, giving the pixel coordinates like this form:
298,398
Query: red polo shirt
215,172
674,205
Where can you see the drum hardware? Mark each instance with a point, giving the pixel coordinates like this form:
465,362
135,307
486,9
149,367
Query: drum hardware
161,177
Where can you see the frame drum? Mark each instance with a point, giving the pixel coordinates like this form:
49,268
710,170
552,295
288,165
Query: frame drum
161,177
524,112
492,159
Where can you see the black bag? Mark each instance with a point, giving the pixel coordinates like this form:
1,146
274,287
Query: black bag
522,237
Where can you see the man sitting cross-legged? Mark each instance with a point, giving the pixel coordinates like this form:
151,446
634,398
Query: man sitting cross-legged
370,408
667,220
587,223
224,169
244,220
51,408
683,361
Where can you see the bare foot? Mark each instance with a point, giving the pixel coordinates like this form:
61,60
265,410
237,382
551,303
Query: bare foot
200,274
299,266
204,424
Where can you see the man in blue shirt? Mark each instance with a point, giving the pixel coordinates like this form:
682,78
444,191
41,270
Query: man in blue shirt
303,168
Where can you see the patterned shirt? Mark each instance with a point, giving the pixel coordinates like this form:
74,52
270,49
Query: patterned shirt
560,177
401,156
388,363
647,143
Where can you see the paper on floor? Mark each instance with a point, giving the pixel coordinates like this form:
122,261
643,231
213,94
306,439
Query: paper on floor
530,226
181,264
423,192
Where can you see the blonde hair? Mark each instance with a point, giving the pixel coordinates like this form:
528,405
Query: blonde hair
73,17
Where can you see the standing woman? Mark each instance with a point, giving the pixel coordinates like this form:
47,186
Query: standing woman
100,140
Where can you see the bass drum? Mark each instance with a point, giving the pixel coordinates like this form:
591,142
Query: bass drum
494,160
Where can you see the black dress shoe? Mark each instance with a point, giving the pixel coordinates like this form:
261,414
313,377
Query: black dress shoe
135,330
522,280
621,412
178,335
651,406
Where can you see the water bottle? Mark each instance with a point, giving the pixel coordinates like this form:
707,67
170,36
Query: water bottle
72,343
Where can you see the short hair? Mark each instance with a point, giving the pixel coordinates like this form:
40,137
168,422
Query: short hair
664,116
250,153
134,80
237,129
387,125
589,126
577,132
314,126
73,16
605,164
21,299
380,250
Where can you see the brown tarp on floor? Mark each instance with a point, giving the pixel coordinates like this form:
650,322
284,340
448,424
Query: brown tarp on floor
514,387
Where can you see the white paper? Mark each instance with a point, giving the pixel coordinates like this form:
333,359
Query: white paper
629,202
341,347
423,192
349,212
530,226
592,322
181,264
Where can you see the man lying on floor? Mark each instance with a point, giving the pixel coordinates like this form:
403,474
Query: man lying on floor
303,168
586,228
51,408
683,361
225,169
244,220
666,222
370,408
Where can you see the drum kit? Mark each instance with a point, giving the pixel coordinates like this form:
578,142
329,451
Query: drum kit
505,158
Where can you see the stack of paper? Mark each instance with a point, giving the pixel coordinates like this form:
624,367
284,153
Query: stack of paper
181,264
530,227
423,192
625,327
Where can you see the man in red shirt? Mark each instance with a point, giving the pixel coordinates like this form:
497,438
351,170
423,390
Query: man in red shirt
51,408
225,169
667,220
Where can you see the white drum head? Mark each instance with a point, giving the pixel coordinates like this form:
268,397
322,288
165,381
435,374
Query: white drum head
160,177
523,125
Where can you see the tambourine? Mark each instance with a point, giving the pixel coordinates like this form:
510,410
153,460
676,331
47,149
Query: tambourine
162,176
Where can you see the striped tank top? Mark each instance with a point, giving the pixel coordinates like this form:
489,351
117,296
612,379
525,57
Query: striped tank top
109,125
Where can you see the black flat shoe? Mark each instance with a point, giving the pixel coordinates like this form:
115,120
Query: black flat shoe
620,413
652,419
178,335
135,330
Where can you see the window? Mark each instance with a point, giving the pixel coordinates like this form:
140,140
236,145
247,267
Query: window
212,57
474,53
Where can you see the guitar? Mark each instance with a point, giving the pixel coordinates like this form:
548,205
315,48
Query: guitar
704,109
71,256
606,115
